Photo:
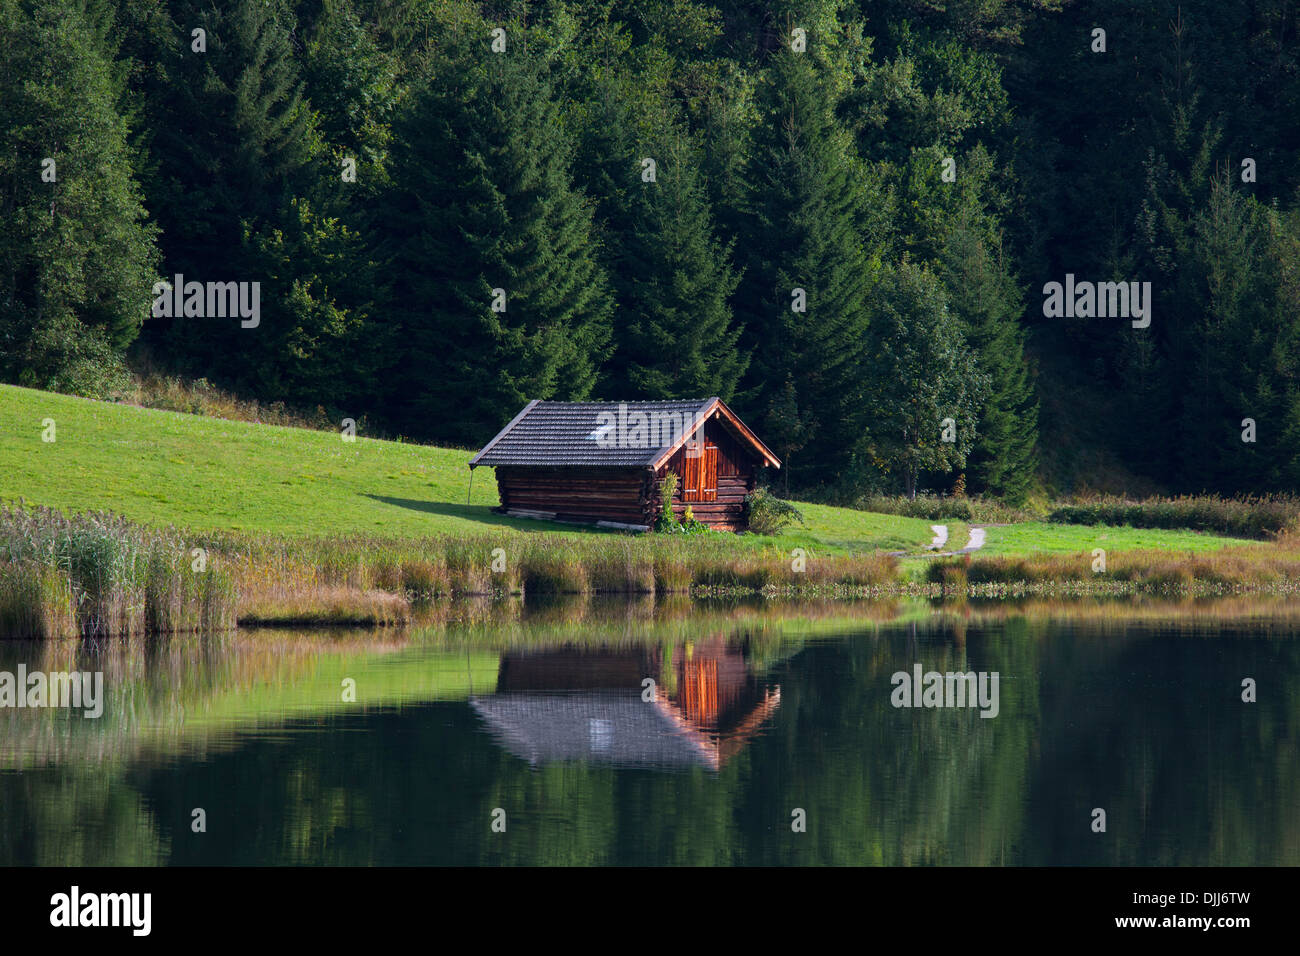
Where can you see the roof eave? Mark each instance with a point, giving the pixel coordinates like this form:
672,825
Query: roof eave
706,410
473,462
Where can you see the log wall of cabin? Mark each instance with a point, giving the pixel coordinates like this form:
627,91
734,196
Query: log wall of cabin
579,494
737,473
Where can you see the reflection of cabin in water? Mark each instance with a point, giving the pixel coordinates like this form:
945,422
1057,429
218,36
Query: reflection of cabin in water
580,705
603,462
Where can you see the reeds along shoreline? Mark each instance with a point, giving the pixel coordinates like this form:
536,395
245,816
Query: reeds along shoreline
1273,569
99,575
271,572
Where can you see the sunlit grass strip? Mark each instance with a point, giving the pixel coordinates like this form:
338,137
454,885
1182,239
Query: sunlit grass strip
325,606
1273,570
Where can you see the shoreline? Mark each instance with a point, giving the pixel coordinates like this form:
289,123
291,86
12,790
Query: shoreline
100,574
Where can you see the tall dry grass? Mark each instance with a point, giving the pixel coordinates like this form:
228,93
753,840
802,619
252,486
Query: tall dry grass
1274,570
150,388
99,575
270,569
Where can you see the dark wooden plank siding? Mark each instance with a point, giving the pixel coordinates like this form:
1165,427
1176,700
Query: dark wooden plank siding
733,458
582,494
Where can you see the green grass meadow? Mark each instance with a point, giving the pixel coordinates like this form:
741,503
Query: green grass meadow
162,468
210,474
1047,538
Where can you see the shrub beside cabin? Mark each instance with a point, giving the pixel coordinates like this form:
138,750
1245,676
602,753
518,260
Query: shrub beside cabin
603,462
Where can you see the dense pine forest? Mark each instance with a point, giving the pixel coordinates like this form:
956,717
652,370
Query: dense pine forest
843,218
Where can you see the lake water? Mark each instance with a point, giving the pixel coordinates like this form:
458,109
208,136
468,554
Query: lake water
769,735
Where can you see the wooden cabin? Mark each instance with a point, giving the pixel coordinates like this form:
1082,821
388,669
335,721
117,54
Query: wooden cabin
604,462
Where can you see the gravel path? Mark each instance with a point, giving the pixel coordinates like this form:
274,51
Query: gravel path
935,547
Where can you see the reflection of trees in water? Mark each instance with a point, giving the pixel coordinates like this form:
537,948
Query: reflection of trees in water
1124,719
920,786
1151,727
71,819
157,690
883,785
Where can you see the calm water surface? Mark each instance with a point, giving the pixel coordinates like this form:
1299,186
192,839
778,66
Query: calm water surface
756,716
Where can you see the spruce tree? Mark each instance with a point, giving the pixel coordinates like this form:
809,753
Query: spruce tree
928,388
350,82
607,161
232,140
801,232
482,202
983,296
1234,305
674,335
317,345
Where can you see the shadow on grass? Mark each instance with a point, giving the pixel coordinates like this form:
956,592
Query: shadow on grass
482,514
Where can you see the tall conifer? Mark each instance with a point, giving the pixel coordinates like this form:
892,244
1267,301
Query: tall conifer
805,203
482,202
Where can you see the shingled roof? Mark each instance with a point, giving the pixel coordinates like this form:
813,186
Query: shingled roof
577,434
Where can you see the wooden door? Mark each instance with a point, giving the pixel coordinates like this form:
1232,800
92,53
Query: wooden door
700,472
692,461
709,474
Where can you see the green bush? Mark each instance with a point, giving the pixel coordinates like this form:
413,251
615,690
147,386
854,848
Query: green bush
63,354
666,523
768,514
954,573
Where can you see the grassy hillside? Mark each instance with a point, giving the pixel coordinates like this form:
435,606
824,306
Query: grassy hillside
212,474
201,473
